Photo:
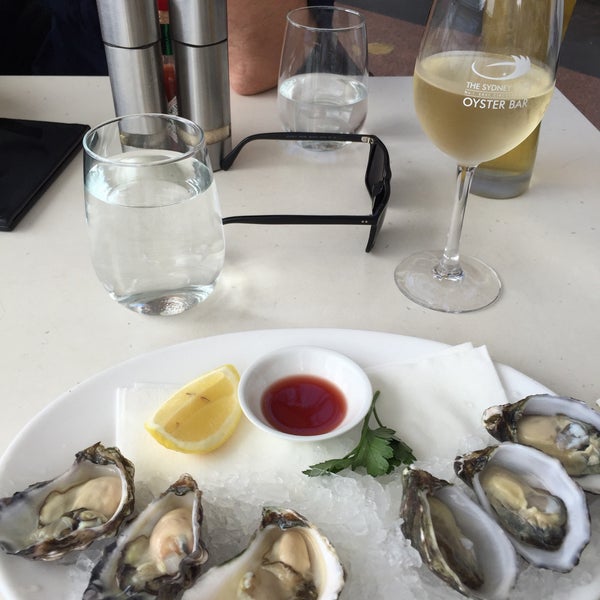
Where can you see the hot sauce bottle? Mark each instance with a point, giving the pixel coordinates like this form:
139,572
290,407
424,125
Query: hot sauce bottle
167,56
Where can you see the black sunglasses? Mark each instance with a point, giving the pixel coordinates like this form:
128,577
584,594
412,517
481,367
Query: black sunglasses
377,180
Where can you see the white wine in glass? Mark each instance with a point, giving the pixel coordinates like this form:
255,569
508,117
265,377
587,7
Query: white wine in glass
476,99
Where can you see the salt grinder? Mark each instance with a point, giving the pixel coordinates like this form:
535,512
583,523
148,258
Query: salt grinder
199,34
131,36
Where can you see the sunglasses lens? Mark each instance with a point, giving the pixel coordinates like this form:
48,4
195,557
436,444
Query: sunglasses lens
377,180
375,168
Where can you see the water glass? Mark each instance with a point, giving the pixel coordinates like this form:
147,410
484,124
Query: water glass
323,73
153,214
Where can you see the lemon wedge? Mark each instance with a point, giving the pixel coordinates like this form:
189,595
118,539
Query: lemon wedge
202,415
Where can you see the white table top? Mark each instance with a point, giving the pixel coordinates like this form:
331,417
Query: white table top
58,326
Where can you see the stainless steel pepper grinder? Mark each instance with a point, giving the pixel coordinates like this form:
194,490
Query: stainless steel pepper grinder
199,34
131,36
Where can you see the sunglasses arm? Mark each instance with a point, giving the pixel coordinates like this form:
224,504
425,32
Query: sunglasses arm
302,219
297,136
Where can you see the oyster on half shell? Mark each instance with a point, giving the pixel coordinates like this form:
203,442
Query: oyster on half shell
287,559
529,493
87,502
159,554
563,427
456,538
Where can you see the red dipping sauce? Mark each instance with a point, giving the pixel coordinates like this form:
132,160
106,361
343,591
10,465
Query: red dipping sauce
304,405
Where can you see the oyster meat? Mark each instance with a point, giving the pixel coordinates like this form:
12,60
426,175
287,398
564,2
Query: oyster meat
533,515
88,502
159,554
532,497
287,559
456,538
563,427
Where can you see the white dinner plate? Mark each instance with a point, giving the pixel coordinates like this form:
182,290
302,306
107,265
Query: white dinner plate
86,414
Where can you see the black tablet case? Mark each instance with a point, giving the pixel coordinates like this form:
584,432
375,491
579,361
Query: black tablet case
32,154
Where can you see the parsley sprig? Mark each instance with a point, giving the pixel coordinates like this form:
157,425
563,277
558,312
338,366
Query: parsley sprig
379,451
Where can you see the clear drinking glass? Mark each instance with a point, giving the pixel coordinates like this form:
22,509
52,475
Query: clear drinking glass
153,213
323,73
477,97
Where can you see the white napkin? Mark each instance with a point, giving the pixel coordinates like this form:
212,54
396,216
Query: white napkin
436,404
248,454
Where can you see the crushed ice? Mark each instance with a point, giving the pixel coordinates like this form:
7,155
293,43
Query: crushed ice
359,514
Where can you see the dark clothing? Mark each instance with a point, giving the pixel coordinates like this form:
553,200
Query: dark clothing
25,26
74,43
51,37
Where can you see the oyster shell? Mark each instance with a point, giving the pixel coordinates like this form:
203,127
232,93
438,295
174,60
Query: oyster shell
456,538
563,427
287,559
529,493
88,502
159,554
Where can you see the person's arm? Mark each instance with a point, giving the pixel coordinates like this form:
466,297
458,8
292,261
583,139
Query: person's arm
255,34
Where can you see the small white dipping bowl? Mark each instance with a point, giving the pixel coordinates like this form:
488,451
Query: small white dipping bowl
332,366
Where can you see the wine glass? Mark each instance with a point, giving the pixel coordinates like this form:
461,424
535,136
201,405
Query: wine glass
323,73
483,79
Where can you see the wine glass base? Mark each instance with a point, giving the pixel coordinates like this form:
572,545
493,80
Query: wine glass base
477,287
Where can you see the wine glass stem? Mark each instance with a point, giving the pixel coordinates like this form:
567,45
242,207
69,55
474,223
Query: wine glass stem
449,265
